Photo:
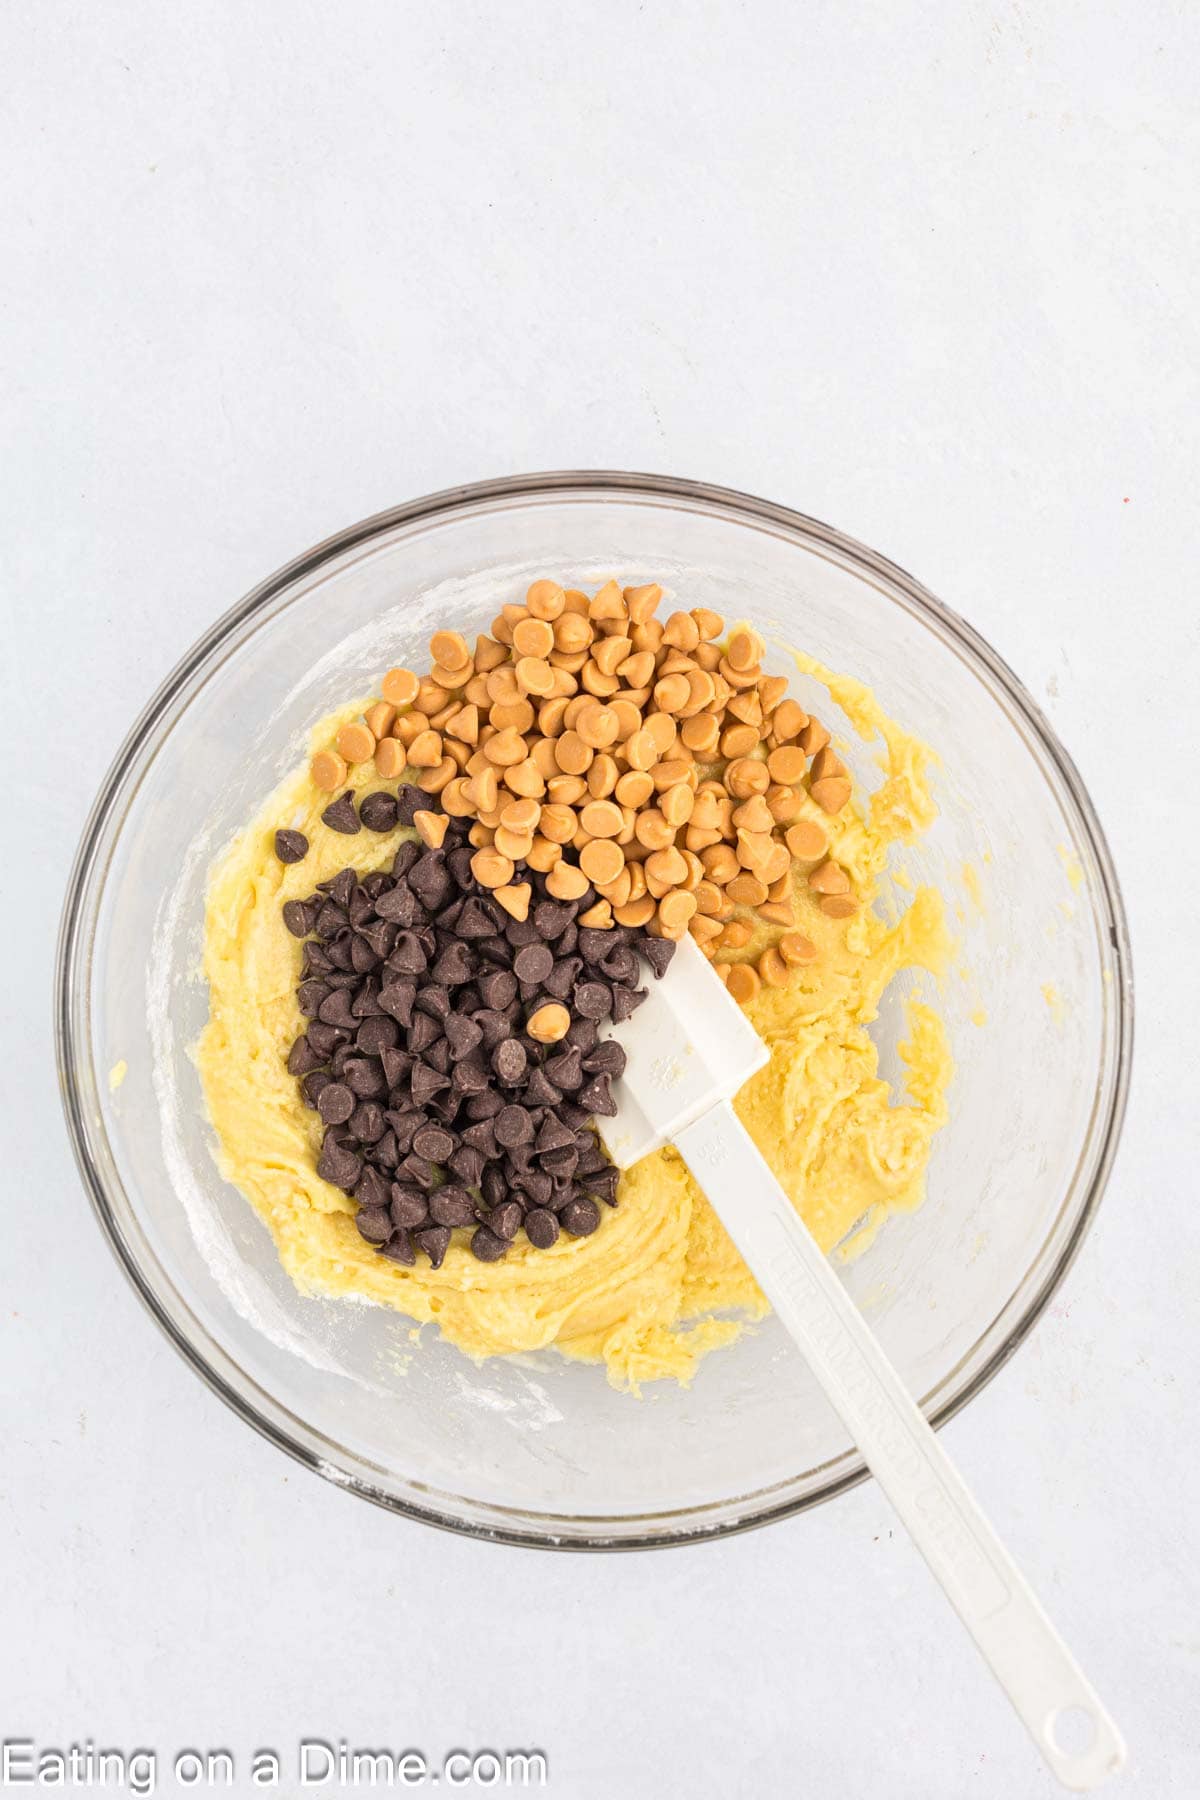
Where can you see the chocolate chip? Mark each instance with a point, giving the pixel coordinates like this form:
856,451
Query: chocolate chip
454,966
593,999
626,1002
397,1000
367,1122
303,1058
553,1135
416,1169
434,1241
560,982
541,1228
509,1060
476,919
505,1220
364,1077
608,1058
341,815
621,964
372,1189
291,846
379,812
551,919
409,1206
487,1246
430,880
451,1206
583,1035
433,1143
603,1184
399,1249
580,1217
463,1035
408,957
540,1090
376,1035
513,1126
467,1163
427,1082
338,1165
336,1103
493,1186
658,953
300,917
497,989
374,1224
409,802
533,963
597,1098
594,946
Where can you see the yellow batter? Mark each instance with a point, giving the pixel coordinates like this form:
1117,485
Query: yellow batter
659,1283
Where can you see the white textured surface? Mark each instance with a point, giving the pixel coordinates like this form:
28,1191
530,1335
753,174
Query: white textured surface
925,271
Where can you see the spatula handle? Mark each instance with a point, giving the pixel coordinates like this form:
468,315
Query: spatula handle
991,1596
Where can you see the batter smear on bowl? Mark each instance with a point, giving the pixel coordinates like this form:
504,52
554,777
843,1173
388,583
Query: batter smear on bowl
442,912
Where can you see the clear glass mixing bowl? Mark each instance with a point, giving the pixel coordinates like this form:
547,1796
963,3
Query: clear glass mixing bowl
537,1450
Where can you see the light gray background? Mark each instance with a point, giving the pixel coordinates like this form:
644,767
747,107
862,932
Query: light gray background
927,271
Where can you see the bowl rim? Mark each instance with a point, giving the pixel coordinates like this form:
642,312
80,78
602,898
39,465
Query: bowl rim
73,965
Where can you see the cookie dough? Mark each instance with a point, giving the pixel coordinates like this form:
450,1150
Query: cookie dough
659,1284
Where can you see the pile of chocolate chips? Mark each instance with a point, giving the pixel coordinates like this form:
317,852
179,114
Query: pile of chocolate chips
440,1110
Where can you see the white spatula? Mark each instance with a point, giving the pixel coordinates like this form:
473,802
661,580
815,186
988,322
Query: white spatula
690,1048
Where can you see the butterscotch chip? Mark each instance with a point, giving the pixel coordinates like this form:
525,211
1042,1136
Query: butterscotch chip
813,738
545,600
530,777
721,971
745,650
479,836
829,878
490,869
709,898
720,864
602,776
774,971
742,983
736,934
572,634
520,814
431,828
709,624
597,725
408,726
785,804
838,906
832,793
516,845
515,900
506,749
434,780
557,823
511,715
704,929
484,789
806,840
543,853
675,912
425,751
671,693
533,637
356,742
826,762
566,882
738,740
598,917
609,603
380,718
635,912
777,912
665,869
640,602
390,758
700,734
535,676
328,770
747,776
796,949
787,722
454,799
662,731
601,819
566,790
450,649
637,669
746,890
463,724
771,690
399,687
753,815
633,788
571,754
786,764
488,654
775,865
652,830
677,803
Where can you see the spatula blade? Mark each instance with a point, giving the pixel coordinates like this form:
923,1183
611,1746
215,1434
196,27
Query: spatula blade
688,1045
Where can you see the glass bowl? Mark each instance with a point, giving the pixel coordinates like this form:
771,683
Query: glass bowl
536,1449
